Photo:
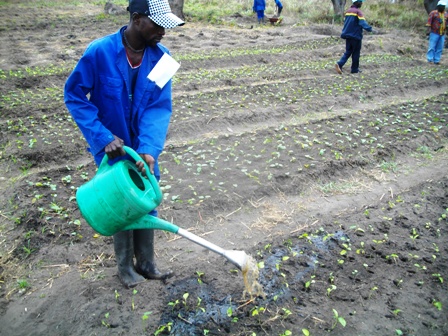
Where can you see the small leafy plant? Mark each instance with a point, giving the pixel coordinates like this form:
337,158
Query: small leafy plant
337,319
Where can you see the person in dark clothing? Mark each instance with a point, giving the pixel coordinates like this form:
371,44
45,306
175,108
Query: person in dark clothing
354,23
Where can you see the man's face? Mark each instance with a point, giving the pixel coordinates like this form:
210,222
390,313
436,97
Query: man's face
150,31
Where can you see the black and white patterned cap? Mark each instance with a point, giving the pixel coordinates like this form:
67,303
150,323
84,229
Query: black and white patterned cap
158,11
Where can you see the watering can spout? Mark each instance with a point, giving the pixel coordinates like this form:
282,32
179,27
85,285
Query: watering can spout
151,222
238,258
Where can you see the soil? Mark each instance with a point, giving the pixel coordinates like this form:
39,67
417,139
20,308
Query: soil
336,185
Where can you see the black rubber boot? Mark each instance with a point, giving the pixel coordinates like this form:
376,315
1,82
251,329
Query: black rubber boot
124,254
144,253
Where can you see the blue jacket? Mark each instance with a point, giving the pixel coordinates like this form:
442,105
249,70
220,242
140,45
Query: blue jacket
102,73
354,23
259,5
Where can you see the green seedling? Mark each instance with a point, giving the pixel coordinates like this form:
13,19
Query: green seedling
173,304
198,305
438,276
185,298
396,312
393,257
287,312
164,327
199,274
134,292
437,304
414,235
257,310
436,248
373,291
104,322
338,319
305,332
444,215
330,289
309,282
230,313
117,295
145,316
286,333
361,249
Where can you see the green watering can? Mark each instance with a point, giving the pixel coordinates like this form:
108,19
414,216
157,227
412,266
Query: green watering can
119,198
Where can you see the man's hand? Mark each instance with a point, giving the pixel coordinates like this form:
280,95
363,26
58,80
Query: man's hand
149,161
375,31
115,148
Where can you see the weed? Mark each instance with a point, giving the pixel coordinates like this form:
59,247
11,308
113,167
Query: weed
23,284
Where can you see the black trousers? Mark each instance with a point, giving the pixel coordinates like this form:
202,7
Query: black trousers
353,50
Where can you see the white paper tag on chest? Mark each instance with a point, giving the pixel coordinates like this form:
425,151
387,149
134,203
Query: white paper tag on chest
164,70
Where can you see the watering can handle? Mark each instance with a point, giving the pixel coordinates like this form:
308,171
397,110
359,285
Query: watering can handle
152,179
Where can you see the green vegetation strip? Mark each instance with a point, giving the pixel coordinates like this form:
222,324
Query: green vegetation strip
236,52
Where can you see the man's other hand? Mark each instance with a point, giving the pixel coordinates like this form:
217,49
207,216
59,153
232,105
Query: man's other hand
115,148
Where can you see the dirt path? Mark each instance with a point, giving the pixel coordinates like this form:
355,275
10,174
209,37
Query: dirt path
336,185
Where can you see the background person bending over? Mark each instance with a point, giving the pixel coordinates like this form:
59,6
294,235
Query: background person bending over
126,108
279,7
354,23
437,24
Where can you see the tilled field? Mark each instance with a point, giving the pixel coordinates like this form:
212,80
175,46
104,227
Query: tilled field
336,184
